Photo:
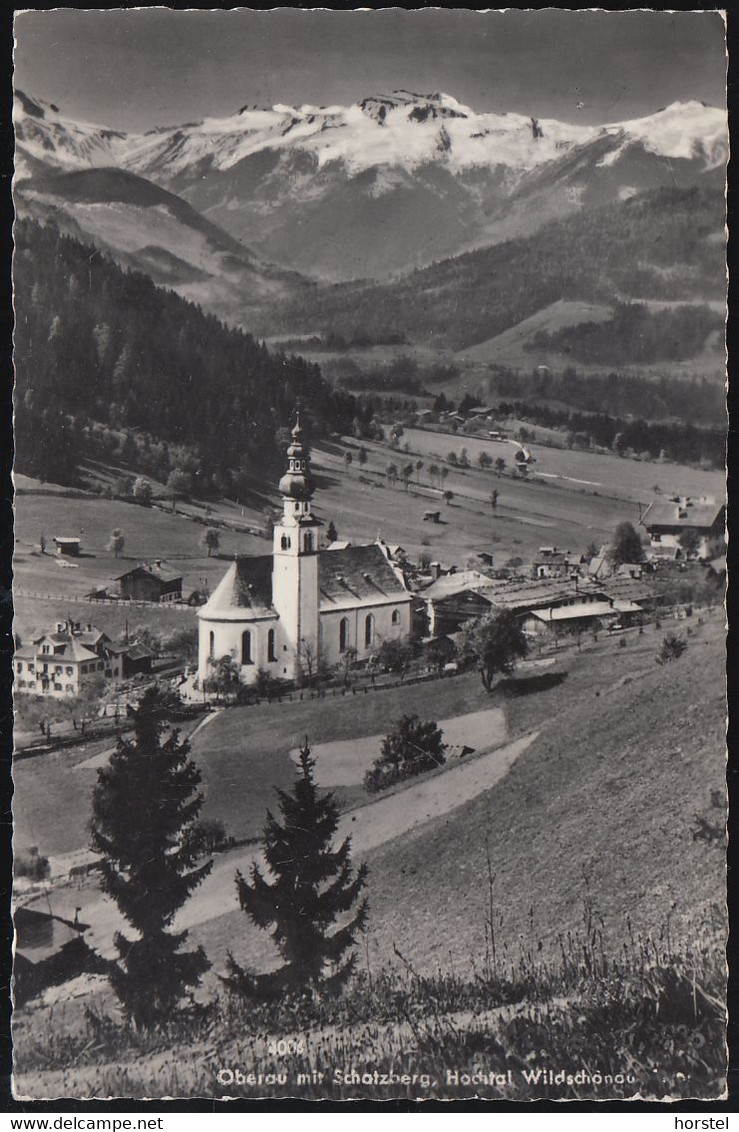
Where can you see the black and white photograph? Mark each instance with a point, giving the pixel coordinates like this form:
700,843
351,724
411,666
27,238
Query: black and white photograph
369,555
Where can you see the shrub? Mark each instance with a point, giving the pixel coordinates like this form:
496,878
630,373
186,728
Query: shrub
673,647
412,747
32,865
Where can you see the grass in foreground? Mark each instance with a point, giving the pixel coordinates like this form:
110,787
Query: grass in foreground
648,1019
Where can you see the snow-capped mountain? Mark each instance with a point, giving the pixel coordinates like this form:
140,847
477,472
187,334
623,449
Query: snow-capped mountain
390,182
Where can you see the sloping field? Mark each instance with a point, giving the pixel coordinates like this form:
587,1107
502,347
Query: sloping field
507,349
597,813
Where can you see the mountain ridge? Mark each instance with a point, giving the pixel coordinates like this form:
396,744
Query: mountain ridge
390,183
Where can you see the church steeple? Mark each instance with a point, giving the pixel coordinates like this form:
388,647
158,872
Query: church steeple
297,482
295,594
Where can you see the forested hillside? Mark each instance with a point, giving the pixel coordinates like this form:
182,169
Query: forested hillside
664,245
94,343
634,334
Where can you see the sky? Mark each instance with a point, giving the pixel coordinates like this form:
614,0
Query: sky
135,69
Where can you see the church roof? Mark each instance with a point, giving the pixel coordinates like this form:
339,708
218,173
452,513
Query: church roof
246,585
356,575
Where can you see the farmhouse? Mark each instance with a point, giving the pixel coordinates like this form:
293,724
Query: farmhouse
68,546
61,663
666,524
151,581
550,562
302,606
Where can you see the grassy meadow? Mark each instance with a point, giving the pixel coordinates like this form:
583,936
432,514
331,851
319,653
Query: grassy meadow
569,911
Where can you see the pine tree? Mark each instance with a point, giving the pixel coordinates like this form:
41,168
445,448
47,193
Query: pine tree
144,816
314,885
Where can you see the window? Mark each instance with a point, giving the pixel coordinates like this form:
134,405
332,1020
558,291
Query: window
70,687
211,646
396,617
308,544
343,634
58,688
70,670
285,542
246,648
46,649
271,646
57,669
369,630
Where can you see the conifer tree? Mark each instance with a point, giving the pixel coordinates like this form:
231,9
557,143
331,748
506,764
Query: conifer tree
314,886
145,808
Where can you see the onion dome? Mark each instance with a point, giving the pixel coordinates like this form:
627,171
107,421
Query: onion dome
297,482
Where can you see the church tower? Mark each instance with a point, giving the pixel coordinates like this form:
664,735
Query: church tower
295,559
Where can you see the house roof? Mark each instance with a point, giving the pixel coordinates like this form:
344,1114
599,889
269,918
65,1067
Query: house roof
138,652
449,584
702,516
66,539
39,935
543,591
575,612
72,649
628,589
159,570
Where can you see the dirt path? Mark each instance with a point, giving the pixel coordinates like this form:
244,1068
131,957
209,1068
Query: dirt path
345,762
369,826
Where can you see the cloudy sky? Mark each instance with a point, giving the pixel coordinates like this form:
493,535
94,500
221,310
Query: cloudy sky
139,68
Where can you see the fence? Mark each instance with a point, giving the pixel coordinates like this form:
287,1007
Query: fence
122,603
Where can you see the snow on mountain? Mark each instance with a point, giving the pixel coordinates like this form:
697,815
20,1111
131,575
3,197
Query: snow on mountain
400,129
45,139
391,182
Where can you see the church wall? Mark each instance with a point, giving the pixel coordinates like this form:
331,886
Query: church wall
384,628
228,639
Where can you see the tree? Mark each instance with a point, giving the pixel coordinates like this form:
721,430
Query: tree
452,458
211,540
42,543
626,545
314,886
690,541
179,484
485,460
347,661
331,533
448,497
494,500
412,747
145,806
117,541
391,471
464,460
86,705
406,475
433,472
394,654
348,458
142,491
499,466
362,456
224,679
492,644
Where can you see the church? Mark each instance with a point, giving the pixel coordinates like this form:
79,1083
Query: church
302,606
